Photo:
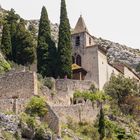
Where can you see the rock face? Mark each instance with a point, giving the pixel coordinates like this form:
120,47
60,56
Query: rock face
118,52
9,122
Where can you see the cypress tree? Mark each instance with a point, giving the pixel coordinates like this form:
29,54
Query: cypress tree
46,50
25,47
64,44
6,45
101,128
12,20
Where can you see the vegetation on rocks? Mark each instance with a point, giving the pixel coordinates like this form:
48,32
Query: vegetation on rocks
36,107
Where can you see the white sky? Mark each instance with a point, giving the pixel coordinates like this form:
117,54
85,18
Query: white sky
116,20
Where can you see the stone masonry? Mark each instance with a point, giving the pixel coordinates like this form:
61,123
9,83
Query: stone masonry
15,89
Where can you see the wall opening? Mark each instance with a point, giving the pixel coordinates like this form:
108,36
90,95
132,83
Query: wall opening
77,41
78,60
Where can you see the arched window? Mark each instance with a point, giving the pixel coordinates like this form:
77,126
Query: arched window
78,60
89,40
77,41
73,59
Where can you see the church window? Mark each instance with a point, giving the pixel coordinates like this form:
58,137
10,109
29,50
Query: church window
78,60
89,40
73,59
77,41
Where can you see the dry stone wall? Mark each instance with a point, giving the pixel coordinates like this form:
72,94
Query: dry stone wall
86,112
15,89
64,89
52,120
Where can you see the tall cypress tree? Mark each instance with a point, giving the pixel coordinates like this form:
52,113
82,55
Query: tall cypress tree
46,50
6,45
101,128
25,47
12,20
64,44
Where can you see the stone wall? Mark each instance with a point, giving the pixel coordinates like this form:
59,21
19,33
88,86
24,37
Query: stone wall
53,120
64,89
15,89
86,112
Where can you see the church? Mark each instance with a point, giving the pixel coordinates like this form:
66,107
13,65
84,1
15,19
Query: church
90,60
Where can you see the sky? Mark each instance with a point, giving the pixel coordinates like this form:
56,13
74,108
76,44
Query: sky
115,20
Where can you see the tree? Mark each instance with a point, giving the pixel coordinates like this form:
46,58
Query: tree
25,47
64,44
46,50
119,87
12,20
101,126
6,46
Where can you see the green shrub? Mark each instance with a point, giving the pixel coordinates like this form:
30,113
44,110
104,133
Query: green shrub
48,82
36,107
30,121
87,95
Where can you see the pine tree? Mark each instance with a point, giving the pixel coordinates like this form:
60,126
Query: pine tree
6,45
64,44
101,128
25,47
46,50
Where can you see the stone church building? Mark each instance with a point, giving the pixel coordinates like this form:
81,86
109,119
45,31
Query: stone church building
90,60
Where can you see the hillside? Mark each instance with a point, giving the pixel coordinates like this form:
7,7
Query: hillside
115,51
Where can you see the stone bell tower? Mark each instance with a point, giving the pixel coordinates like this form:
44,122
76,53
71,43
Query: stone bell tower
80,40
85,52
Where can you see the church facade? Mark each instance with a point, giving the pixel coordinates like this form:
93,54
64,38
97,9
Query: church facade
91,58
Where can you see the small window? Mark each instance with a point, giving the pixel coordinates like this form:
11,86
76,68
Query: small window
78,60
89,40
77,41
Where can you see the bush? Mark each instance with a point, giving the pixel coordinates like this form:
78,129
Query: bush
87,95
27,119
48,82
36,107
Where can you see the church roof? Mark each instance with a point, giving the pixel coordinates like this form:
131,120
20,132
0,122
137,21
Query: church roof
80,26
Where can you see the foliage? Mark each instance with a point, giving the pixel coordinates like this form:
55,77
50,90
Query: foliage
40,132
36,107
12,20
4,65
25,47
46,50
83,130
101,127
6,46
8,136
48,82
64,44
22,46
120,87
29,120
115,132
87,95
